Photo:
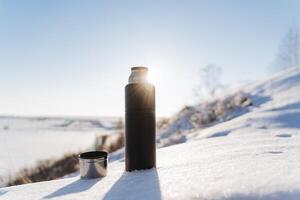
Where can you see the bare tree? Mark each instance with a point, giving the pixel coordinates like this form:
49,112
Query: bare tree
210,81
289,50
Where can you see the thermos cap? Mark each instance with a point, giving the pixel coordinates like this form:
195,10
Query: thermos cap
93,164
139,68
138,74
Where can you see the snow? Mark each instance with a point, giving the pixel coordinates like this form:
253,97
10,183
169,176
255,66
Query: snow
203,115
24,141
252,156
240,167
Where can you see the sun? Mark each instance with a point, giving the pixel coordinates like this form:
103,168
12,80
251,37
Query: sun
152,76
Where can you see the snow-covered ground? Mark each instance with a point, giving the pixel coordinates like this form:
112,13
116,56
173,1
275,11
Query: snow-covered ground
253,156
257,166
24,141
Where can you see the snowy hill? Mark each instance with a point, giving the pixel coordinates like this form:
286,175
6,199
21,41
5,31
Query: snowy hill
252,156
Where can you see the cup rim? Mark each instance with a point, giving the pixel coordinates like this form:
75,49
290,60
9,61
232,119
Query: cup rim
93,155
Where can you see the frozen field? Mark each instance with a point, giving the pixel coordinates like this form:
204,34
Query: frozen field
24,141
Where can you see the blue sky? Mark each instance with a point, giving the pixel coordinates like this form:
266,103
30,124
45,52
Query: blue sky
74,57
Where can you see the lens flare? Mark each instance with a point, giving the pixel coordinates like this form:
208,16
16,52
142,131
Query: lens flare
152,77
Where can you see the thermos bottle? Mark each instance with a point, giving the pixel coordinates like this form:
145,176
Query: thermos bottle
139,121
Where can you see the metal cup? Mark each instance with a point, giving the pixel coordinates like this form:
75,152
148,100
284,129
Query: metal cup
93,164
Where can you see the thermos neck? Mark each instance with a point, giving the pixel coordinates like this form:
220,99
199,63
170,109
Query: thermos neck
138,75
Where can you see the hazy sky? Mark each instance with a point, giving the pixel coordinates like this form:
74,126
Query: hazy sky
74,57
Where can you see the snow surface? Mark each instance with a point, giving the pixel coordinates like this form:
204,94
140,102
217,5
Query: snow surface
24,141
257,166
253,156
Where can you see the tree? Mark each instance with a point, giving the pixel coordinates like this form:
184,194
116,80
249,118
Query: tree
289,50
210,81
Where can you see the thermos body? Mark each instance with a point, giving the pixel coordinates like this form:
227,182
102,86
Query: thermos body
140,150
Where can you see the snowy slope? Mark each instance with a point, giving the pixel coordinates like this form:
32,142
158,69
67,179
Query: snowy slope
253,156
276,105
203,115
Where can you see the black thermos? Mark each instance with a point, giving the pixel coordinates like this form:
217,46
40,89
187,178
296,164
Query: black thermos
140,150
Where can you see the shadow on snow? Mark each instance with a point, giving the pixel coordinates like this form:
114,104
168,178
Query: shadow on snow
74,187
136,185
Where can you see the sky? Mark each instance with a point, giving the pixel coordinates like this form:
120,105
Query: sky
73,58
